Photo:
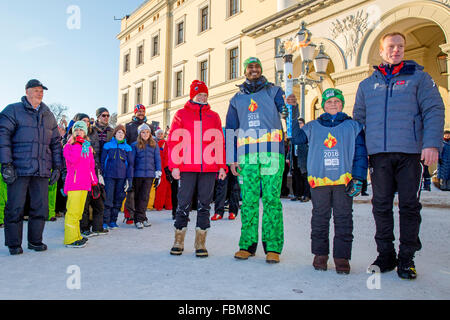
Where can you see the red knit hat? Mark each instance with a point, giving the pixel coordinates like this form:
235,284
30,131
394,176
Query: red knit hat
198,87
137,107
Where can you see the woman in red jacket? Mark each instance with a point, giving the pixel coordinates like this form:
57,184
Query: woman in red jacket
196,153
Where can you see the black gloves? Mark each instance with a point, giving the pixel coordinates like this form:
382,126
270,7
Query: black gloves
9,173
354,187
168,175
54,177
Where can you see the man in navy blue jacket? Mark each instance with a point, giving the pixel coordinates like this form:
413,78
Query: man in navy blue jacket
403,114
30,154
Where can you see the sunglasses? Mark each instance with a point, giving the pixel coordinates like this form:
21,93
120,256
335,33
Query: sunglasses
105,115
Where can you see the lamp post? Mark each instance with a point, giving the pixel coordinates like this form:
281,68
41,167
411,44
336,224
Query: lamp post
307,50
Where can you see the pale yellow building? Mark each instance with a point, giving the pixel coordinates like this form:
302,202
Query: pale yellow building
165,44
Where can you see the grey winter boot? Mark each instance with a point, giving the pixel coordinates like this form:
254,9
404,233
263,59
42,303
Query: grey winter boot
200,239
178,245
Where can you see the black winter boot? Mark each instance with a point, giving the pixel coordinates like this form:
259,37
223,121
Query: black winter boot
385,262
406,269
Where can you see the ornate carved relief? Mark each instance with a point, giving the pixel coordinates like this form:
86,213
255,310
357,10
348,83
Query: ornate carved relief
446,2
352,28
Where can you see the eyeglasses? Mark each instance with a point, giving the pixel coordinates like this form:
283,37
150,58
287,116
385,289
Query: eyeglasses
105,115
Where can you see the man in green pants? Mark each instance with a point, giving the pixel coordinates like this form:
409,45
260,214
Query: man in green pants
3,197
255,151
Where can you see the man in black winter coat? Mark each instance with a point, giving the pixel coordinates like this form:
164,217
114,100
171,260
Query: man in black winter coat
138,119
30,154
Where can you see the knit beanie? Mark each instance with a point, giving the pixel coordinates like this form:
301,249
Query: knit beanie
252,60
198,87
80,125
139,107
332,93
81,116
143,126
100,111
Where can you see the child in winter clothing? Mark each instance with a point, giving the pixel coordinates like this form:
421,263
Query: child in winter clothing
337,164
163,197
117,171
147,167
79,180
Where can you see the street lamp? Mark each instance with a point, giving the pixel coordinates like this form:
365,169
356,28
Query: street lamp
307,50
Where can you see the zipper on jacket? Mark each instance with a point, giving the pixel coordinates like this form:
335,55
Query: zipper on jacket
385,113
201,139
75,177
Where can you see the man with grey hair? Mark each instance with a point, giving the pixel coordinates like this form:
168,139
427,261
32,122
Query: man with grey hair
30,154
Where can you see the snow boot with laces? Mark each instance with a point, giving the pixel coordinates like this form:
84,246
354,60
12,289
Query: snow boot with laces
178,245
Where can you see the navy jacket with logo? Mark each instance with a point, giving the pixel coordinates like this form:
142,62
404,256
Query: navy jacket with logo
401,109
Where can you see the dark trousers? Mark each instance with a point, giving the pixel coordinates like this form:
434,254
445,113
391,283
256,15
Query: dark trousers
221,196
115,194
174,186
364,186
400,172
227,189
297,183
141,187
305,189
234,193
98,208
203,182
61,201
284,185
129,203
37,187
325,200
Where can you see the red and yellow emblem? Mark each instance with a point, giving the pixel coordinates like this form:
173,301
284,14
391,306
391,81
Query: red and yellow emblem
330,142
253,106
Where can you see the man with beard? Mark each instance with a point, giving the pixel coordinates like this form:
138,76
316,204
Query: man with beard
256,153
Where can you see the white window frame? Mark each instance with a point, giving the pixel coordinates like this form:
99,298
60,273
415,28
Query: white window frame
175,69
177,22
139,45
124,108
150,85
200,20
156,34
128,52
138,86
228,11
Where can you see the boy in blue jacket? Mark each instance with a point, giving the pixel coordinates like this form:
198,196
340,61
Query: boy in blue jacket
117,171
336,165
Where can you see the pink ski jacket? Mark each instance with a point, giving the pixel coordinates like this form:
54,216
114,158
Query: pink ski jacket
80,170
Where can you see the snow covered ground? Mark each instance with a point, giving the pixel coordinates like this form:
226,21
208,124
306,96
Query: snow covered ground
136,264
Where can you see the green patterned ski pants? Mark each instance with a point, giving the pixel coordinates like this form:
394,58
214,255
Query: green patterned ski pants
261,171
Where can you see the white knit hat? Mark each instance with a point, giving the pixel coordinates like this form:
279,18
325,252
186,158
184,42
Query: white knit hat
143,126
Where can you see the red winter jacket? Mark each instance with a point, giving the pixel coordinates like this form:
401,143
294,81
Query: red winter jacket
163,153
196,141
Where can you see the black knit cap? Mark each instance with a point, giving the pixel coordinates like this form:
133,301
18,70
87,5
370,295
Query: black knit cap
81,116
100,111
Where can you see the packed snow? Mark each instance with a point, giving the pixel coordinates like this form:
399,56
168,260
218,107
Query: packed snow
135,264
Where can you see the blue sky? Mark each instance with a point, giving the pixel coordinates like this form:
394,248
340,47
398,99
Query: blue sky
79,66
